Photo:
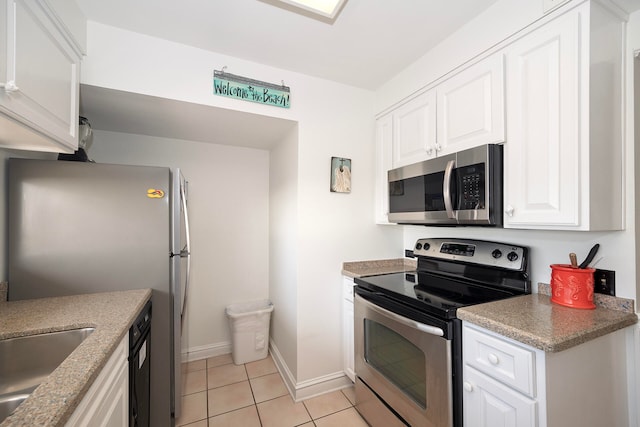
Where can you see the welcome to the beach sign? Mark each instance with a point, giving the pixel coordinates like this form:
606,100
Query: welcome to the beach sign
232,86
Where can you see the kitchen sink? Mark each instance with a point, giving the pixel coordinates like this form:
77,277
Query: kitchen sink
26,361
9,403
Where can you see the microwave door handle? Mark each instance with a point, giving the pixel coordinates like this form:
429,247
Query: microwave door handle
446,189
431,330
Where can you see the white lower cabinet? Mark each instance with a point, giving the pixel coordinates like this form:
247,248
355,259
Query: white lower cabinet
347,313
510,384
106,404
499,381
488,403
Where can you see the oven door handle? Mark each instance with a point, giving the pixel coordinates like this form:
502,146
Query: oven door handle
446,189
428,329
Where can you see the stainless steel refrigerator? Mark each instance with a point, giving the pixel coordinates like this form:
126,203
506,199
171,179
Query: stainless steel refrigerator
78,227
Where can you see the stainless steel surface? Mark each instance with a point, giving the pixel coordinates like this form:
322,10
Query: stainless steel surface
426,167
491,212
437,410
446,189
483,252
181,270
372,408
427,329
26,361
87,227
8,404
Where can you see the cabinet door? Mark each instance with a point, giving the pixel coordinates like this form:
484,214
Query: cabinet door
487,403
41,80
347,304
471,107
384,153
106,403
414,130
542,155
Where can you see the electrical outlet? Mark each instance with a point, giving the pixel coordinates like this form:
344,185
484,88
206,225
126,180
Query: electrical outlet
604,282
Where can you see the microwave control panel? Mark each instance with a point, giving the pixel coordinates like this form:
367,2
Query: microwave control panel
471,187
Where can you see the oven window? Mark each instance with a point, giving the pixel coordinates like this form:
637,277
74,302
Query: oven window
401,362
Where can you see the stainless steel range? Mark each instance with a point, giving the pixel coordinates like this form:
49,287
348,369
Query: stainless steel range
408,340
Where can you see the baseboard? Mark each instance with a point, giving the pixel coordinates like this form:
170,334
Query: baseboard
310,388
206,351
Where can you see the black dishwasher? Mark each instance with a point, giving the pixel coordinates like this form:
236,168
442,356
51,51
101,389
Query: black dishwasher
139,372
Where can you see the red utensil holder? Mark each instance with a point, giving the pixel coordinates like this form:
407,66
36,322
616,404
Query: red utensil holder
572,287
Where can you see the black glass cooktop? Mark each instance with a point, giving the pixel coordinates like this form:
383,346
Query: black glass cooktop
432,294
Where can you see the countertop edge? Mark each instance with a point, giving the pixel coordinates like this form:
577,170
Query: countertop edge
356,269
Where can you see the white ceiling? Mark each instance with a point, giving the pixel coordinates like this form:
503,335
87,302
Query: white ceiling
366,45
369,42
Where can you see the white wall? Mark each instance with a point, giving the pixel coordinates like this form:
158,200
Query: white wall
334,120
633,103
616,248
283,253
229,219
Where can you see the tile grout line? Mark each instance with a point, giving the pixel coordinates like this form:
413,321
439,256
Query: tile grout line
206,382
255,403
253,394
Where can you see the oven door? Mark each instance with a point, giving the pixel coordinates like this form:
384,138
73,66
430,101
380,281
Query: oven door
401,364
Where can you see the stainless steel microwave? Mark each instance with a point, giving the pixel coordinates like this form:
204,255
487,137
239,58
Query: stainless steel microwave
463,188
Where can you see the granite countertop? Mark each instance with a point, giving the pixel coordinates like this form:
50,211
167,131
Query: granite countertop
111,313
384,266
536,321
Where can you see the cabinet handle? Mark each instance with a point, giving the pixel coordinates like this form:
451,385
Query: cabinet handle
493,359
468,386
429,151
10,86
509,210
438,148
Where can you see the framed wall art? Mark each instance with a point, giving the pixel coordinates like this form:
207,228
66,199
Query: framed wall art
340,175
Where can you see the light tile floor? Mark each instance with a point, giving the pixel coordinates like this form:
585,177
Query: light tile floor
217,393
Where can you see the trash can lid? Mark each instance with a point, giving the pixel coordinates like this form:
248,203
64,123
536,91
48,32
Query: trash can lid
251,307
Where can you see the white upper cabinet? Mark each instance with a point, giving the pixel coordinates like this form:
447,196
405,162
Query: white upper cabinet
464,111
414,130
470,107
39,80
384,139
563,161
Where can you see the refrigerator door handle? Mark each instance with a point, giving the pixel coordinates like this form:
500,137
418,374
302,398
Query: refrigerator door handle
186,251
186,287
183,200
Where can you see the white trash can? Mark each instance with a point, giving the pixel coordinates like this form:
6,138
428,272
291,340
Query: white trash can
249,323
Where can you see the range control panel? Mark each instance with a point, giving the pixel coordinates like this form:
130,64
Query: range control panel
482,252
